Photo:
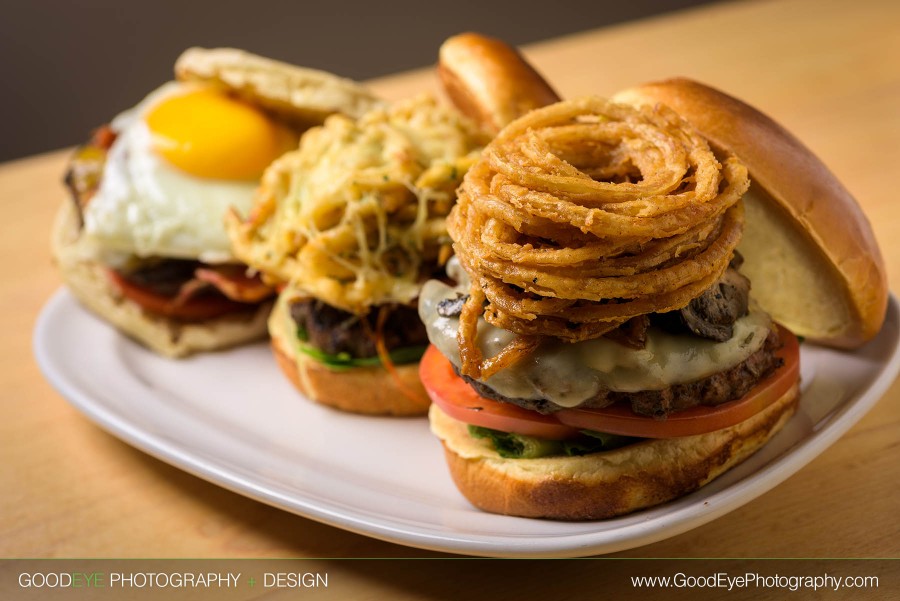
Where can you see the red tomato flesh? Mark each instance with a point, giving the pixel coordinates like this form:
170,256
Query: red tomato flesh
197,308
460,401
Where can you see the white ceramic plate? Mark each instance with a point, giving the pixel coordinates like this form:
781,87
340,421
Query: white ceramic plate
233,419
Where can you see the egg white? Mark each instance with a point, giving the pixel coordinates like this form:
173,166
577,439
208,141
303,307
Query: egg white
146,207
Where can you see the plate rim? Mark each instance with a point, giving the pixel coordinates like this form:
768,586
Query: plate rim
390,530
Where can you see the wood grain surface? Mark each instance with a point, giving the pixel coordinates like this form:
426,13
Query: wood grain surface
828,70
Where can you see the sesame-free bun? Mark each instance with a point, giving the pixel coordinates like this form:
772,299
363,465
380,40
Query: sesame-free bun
489,81
810,252
298,95
87,280
605,484
367,390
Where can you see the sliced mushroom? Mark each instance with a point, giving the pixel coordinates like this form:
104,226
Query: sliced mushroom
713,313
452,307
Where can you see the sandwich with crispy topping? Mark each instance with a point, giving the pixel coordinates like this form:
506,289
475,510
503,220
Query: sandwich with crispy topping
350,225
619,328
354,222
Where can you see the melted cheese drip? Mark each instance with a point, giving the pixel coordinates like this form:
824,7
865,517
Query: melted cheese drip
569,374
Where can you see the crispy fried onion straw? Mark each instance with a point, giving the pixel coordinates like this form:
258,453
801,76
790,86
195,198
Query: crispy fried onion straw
356,216
584,214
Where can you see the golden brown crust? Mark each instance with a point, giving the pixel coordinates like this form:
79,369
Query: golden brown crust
489,81
299,95
831,285
87,280
601,485
367,390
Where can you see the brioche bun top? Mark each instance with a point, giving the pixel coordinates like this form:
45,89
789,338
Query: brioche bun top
489,81
810,252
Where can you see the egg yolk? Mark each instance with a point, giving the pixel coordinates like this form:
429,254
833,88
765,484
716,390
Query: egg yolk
208,134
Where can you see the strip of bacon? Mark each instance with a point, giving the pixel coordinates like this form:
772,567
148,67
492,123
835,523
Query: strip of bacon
86,169
103,137
234,283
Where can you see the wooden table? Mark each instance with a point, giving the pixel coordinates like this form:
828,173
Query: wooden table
828,70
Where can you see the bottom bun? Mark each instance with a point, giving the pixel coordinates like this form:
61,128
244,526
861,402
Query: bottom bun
88,281
606,484
368,390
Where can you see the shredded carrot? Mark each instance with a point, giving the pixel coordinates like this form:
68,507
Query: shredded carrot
384,355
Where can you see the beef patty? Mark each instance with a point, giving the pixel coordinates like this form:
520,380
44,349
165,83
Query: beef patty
728,385
335,331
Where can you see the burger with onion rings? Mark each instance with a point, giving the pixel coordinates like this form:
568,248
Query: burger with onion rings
601,351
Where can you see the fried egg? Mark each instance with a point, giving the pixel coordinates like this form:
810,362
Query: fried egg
182,157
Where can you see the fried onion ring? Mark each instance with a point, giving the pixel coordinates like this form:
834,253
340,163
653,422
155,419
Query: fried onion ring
586,213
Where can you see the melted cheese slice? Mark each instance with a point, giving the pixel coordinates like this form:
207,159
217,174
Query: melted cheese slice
569,374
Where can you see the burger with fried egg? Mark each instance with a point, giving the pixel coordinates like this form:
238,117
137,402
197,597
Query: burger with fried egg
142,243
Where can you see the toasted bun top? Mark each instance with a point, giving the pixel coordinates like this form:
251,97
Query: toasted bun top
489,81
298,95
810,252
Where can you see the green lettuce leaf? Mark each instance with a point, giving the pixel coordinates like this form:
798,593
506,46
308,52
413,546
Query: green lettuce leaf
344,361
519,446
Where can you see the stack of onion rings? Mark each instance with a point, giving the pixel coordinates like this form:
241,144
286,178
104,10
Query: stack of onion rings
586,213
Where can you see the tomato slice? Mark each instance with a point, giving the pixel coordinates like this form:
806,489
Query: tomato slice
460,401
197,308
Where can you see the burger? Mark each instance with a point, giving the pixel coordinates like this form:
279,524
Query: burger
352,223
622,326
142,244
349,226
